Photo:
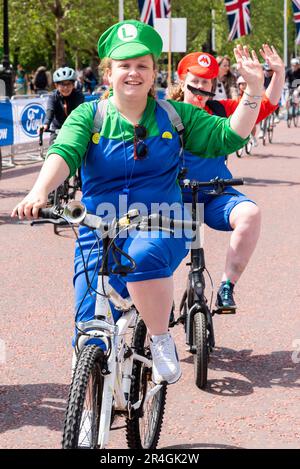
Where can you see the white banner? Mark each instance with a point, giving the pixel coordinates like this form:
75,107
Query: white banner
28,115
178,27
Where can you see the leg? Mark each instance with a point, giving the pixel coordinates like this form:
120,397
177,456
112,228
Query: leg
240,214
154,313
245,220
151,289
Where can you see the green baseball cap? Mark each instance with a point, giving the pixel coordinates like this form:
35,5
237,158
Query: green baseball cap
129,39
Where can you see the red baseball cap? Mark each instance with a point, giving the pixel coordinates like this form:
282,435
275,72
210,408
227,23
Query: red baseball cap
201,64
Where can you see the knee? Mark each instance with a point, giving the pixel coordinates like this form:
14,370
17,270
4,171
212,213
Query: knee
248,218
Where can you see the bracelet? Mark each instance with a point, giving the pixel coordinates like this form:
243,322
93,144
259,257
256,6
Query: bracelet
253,96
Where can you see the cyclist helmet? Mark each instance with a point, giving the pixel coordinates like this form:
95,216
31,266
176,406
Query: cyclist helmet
64,73
295,61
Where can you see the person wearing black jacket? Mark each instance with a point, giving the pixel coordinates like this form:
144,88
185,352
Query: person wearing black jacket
62,101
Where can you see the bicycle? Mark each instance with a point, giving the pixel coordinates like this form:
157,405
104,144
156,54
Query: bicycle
194,312
247,148
292,107
267,129
115,379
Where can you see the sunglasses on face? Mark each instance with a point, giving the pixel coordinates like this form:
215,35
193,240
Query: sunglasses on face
139,146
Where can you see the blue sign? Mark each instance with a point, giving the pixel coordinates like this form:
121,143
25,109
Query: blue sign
32,118
6,124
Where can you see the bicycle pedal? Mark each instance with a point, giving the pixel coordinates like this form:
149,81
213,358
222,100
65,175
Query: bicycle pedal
224,311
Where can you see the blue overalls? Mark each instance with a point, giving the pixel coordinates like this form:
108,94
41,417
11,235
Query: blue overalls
109,171
217,209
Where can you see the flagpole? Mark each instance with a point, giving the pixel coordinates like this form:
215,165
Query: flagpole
213,30
170,52
121,10
285,34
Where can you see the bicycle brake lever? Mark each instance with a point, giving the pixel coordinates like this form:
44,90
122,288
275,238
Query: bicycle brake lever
53,222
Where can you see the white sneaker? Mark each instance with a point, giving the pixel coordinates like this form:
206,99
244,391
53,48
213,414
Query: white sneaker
254,141
165,366
261,134
277,120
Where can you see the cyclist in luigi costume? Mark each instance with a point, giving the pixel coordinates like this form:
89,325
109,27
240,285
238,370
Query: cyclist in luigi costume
233,212
136,156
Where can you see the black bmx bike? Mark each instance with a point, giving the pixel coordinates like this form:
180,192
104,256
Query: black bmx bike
195,313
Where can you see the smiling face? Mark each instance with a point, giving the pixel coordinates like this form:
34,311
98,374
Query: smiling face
200,83
65,87
132,78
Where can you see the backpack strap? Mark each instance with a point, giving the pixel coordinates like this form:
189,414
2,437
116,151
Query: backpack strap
172,114
99,115
176,122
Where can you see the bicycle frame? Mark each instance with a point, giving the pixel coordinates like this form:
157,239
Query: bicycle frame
118,366
196,284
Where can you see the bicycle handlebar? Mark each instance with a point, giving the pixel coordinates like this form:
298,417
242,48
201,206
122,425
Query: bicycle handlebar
78,215
217,183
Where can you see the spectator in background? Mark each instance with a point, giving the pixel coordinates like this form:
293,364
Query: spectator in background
21,81
89,80
268,77
41,81
226,80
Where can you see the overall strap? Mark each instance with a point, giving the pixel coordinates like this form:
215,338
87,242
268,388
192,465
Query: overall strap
100,115
176,122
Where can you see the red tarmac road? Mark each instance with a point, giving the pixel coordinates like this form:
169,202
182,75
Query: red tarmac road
252,400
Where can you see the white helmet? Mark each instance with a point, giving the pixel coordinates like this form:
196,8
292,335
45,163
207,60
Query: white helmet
295,61
64,73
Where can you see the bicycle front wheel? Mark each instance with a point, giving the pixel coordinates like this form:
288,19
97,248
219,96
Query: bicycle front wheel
201,351
84,403
270,128
144,426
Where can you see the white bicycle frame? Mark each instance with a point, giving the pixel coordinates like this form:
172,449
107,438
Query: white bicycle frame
117,381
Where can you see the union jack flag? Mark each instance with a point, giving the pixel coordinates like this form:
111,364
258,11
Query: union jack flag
151,9
238,14
296,8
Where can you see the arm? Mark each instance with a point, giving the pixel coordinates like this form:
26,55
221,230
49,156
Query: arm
54,171
266,107
63,158
274,90
50,110
246,113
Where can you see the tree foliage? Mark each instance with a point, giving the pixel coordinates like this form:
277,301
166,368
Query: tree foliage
55,32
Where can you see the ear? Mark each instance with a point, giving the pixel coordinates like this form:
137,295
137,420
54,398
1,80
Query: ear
181,84
109,76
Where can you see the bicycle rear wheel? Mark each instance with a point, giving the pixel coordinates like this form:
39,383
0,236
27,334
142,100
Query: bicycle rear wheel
289,116
84,403
201,349
296,115
144,427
